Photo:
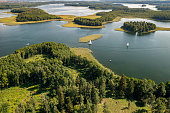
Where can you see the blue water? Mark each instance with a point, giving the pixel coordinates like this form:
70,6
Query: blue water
148,56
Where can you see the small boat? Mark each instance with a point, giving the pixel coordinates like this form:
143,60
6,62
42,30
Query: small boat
110,60
90,42
27,44
127,45
143,5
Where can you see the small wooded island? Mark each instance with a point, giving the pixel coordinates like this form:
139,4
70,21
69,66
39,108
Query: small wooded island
139,27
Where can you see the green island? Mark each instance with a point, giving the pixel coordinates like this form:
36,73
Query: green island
140,27
90,37
32,14
27,16
51,77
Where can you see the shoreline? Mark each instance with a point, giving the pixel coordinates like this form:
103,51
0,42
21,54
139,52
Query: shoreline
157,29
87,53
10,21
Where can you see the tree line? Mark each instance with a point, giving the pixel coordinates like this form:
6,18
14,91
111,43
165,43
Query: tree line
94,22
11,5
139,13
87,22
68,93
98,5
135,12
140,27
32,14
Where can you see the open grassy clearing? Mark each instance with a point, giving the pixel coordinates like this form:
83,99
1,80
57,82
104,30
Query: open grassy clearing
90,37
66,17
42,57
35,58
12,21
16,95
162,29
119,106
91,16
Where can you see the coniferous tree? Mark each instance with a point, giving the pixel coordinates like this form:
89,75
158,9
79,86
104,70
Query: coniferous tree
95,95
69,105
61,97
122,87
161,91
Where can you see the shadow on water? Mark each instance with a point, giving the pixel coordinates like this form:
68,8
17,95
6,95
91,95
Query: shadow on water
139,34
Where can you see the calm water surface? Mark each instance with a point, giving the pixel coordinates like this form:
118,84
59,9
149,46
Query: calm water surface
60,9
152,7
147,57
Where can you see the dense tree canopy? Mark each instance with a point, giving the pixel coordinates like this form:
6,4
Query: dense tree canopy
10,5
140,27
94,22
69,93
32,14
99,5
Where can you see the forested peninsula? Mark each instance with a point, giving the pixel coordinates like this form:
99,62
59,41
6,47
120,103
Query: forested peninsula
133,13
71,83
32,14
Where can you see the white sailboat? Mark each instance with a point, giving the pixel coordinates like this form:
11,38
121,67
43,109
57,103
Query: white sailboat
27,44
90,42
127,45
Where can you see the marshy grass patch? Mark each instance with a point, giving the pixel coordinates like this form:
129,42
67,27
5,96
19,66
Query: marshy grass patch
90,37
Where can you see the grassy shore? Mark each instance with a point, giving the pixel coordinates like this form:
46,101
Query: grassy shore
12,21
69,18
117,19
91,16
90,37
120,106
16,95
162,29
87,53
72,24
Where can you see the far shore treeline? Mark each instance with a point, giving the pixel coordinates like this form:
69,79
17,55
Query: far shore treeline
69,93
135,13
32,14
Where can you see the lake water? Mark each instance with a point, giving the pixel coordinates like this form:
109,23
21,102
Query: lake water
152,7
60,9
3,15
148,56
